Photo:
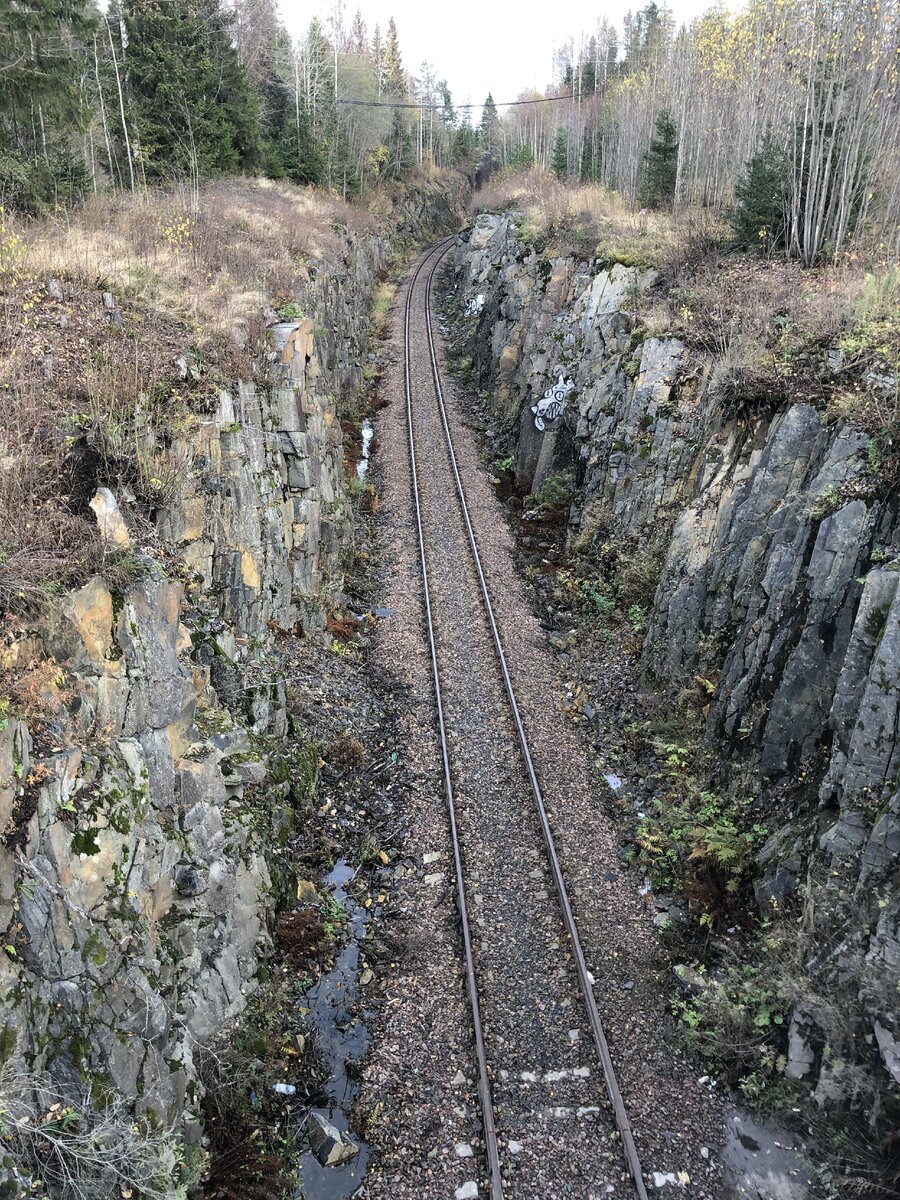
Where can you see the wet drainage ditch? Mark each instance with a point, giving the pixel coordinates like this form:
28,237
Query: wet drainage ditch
333,1166
367,433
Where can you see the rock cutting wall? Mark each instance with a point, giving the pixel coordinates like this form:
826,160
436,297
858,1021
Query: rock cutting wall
134,888
779,583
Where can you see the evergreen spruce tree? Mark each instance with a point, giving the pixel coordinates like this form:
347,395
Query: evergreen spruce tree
299,152
378,58
521,158
358,43
270,71
589,167
489,131
661,164
394,75
191,99
560,160
43,51
395,88
465,143
761,194
448,112
588,70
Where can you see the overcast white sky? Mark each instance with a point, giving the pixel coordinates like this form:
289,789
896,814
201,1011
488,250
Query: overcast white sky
481,46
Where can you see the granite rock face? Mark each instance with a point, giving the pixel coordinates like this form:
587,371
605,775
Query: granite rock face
135,890
778,585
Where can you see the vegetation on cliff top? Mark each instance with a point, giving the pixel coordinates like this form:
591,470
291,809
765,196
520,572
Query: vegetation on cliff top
671,117
148,91
117,328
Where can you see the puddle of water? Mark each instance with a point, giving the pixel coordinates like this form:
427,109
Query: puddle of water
332,1183
760,1158
368,432
340,1038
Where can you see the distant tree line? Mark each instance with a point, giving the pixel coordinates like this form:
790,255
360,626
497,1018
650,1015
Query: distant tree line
162,90
787,112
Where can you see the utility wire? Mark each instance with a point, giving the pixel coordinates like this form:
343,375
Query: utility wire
407,104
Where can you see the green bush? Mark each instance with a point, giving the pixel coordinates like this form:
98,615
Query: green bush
692,839
554,495
34,187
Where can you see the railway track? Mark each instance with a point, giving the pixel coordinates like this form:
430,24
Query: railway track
529,987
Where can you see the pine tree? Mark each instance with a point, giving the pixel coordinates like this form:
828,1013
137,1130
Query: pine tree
761,194
191,99
661,164
560,161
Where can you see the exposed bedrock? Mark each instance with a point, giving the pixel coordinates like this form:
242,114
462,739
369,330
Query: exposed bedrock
138,811
778,585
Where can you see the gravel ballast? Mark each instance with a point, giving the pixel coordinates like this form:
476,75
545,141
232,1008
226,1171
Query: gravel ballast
556,1130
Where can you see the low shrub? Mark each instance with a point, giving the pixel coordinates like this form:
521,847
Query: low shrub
553,498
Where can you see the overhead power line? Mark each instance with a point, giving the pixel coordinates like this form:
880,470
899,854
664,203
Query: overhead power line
409,104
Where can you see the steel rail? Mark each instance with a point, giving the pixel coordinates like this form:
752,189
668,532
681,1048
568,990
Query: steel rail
584,977
484,1084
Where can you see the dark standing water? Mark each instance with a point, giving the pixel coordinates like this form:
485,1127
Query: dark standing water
340,1037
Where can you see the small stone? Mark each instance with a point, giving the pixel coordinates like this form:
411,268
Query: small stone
690,978
113,530
189,881
468,1191
628,985
515,1147
366,977
704,1151
328,1144
431,880
430,858
463,1150
459,1080
306,892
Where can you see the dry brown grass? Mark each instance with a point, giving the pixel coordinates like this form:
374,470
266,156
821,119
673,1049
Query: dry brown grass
245,248
90,396
596,221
